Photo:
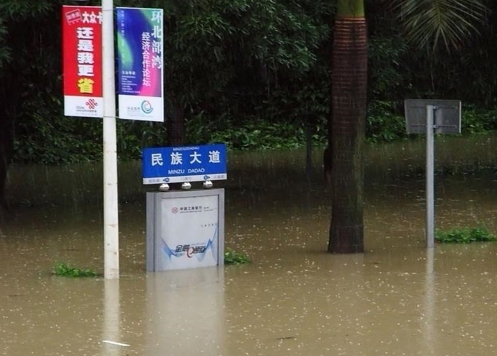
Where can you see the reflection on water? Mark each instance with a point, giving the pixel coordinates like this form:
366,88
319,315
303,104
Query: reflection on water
294,299
430,333
187,312
112,318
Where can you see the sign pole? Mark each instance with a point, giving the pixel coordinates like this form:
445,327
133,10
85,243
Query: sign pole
111,223
429,117
430,186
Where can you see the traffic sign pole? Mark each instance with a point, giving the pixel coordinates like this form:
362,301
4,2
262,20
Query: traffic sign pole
432,117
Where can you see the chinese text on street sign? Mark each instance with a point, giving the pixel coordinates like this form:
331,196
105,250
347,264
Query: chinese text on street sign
82,60
184,164
140,64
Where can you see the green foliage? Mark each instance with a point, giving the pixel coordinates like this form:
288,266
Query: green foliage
384,124
464,235
133,135
247,60
235,258
61,140
70,140
251,73
12,14
428,23
5,51
250,133
386,67
477,121
386,121
229,46
25,8
65,270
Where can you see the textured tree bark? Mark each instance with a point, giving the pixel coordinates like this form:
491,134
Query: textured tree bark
349,100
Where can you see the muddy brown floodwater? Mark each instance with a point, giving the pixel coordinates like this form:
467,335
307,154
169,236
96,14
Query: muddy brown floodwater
398,298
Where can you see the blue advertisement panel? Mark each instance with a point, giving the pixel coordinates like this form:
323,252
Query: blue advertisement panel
140,64
184,164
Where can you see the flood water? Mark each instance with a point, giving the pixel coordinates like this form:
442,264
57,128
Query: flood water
398,298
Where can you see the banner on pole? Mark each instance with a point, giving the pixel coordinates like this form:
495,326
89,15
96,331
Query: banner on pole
140,64
82,60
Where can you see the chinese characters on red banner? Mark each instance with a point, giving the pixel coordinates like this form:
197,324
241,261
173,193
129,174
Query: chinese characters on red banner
82,60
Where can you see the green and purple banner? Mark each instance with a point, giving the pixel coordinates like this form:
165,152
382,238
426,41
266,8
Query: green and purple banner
140,64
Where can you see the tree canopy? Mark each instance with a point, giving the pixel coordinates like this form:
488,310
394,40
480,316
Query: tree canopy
245,63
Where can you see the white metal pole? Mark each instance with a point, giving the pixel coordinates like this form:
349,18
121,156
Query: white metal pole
111,222
430,186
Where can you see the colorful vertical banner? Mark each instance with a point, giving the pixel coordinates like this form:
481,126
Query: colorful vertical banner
140,64
82,60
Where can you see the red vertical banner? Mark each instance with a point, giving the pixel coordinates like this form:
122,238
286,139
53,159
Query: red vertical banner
82,60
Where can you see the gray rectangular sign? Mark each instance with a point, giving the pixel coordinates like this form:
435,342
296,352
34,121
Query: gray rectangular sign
447,116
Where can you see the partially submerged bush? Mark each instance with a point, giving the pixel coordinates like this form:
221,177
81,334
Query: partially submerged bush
235,258
464,235
65,270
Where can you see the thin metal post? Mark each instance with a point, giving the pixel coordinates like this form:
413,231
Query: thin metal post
430,186
111,222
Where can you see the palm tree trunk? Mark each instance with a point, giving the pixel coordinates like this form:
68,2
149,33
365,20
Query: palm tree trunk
349,88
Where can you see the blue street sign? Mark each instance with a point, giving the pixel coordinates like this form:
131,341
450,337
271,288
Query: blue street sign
184,164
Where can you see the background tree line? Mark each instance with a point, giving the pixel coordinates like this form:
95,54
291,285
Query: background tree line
251,73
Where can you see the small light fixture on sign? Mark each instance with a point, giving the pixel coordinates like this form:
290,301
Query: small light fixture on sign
186,186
